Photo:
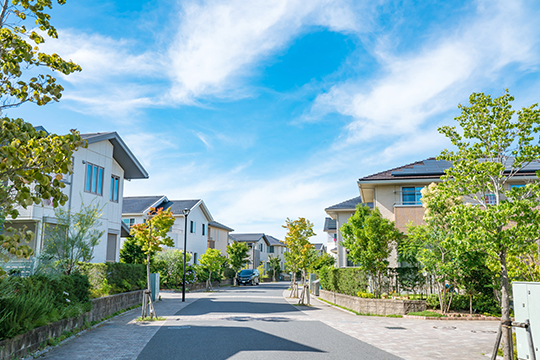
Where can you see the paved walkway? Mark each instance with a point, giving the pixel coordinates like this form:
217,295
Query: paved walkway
411,339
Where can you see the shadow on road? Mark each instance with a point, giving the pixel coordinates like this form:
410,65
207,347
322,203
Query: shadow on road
242,306
187,342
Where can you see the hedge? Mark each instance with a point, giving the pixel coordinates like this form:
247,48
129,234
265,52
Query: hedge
114,278
29,302
348,281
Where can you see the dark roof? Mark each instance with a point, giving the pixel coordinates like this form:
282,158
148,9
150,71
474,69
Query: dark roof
219,225
433,168
121,153
252,237
138,204
124,230
274,242
319,246
178,206
348,204
329,224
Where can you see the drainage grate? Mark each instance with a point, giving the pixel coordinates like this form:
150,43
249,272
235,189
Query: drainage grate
178,327
395,328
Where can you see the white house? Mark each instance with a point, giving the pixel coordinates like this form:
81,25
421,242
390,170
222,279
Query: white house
257,243
331,241
98,177
276,248
134,210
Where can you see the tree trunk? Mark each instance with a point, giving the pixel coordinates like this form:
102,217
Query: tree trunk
470,304
507,345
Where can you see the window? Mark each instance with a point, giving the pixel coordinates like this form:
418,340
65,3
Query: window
517,186
194,258
261,247
204,229
411,195
335,237
270,249
490,199
115,184
192,227
94,179
111,248
129,222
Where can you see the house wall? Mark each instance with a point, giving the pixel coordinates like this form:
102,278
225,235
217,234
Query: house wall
221,238
101,154
385,199
341,218
406,214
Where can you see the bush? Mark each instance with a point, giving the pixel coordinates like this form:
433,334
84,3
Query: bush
201,274
229,273
365,295
482,303
26,303
114,278
348,281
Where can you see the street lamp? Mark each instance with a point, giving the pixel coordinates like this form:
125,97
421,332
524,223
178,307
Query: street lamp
186,213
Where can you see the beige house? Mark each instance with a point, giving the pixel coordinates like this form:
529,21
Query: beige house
396,193
218,236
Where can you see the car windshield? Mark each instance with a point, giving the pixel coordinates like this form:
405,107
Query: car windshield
246,272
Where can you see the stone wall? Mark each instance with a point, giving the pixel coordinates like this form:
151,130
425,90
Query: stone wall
202,285
373,306
24,344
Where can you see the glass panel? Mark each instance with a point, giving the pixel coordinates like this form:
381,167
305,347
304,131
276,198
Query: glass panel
408,196
116,189
126,221
88,178
112,189
100,182
418,195
94,179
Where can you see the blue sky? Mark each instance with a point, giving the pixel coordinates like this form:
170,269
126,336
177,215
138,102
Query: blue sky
273,109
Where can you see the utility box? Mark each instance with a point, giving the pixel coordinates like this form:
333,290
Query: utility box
527,306
154,286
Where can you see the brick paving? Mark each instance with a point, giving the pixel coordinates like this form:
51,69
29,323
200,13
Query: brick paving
411,339
122,337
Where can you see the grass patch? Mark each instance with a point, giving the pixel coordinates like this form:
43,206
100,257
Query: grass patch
426,313
148,318
361,314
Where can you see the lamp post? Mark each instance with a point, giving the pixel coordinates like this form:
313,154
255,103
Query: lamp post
186,213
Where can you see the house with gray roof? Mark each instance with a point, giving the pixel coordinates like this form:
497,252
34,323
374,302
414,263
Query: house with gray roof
257,243
277,248
330,228
99,172
136,208
218,236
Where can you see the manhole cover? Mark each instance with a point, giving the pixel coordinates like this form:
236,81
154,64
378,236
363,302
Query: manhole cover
445,327
178,327
395,328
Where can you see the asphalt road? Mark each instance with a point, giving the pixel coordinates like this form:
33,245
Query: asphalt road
252,322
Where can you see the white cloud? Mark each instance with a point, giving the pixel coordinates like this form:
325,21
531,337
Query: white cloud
417,86
219,42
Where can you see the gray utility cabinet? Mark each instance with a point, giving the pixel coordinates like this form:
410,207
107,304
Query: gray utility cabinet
527,306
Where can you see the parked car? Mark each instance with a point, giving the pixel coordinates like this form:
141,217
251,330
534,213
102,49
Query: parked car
248,276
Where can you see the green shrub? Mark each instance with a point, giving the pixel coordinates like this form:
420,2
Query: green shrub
26,303
202,273
482,303
229,273
114,278
365,295
348,281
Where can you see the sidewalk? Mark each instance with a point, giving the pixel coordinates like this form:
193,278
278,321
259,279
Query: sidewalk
128,337
411,339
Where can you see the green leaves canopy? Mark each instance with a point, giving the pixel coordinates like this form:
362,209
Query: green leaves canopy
238,255
300,253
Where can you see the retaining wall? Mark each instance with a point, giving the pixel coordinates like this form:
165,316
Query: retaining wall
373,306
31,341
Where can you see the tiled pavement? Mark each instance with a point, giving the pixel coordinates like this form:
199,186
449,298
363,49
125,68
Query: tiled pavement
411,339
128,338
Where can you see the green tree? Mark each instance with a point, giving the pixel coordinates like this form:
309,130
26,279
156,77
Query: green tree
151,236
132,253
493,145
369,239
73,238
31,163
432,244
238,255
324,260
170,265
299,255
212,260
275,266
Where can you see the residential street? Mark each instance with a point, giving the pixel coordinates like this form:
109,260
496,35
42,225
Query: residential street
257,322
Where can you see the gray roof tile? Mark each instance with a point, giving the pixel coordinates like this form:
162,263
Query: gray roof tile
348,204
219,225
274,242
137,204
329,224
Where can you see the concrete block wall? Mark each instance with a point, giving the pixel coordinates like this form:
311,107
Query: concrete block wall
373,306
